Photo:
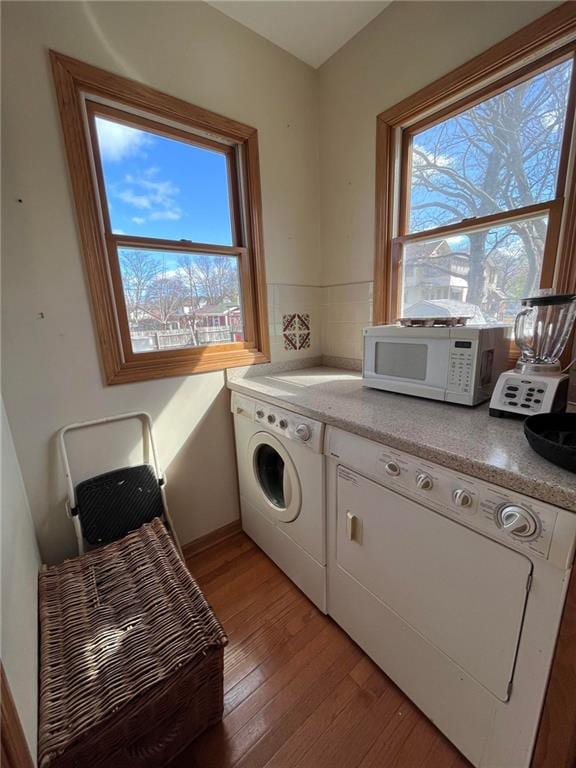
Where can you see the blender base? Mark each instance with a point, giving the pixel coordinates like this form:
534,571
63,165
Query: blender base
522,394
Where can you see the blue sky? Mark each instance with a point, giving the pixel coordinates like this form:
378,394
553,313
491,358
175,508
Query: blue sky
459,147
163,188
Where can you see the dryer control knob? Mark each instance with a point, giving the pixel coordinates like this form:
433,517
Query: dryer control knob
424,482
461,498
260,414
283,424
517,520
271,418
392,468
303,432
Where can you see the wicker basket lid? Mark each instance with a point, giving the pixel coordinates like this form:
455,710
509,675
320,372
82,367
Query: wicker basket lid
114,623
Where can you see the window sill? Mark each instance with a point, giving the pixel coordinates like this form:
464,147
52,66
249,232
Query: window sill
208,360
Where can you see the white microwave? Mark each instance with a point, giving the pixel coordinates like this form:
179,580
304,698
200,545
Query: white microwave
459,364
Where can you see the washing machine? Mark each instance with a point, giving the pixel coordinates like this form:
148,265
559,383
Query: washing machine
281,480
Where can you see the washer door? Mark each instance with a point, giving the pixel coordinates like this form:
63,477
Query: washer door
275,477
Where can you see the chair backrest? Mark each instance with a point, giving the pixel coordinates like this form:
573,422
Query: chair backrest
113,504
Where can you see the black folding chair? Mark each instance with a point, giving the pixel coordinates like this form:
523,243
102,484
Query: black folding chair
106,507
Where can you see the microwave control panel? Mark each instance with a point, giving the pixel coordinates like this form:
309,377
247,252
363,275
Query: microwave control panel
461,365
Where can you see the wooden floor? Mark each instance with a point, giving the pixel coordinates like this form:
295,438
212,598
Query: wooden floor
298,692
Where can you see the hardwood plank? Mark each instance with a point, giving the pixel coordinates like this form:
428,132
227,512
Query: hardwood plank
258,592
227,574
363,670
241,591
299,693
248,721
271,639
209,540
301,740
419,748
269,711
253,617
304,705
395,734
425,746
357,727
271,665
444,753
219,555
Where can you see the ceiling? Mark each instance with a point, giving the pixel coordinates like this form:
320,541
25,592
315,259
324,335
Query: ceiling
312,30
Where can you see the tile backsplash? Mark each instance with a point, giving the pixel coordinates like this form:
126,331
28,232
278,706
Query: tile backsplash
346,310
295,320
296,331
308,321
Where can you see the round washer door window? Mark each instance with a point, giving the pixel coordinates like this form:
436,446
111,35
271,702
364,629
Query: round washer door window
276,478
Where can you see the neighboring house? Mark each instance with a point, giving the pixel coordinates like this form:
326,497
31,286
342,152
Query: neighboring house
219,323
434,272
189,326
219,315
223,315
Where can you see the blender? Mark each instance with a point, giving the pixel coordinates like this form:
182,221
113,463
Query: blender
537,384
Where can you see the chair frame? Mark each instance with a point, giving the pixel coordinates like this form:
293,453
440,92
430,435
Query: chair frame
71,504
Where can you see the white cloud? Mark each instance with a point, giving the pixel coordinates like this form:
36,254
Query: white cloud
422,156
156,197
457,240
172,215
159,191
138,201
117,141
551,119
138,219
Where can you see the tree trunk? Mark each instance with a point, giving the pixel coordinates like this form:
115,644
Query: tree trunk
477,268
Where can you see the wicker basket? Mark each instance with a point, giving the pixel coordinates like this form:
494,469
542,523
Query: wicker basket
131,666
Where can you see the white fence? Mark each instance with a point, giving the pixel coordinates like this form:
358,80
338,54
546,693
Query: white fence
150,341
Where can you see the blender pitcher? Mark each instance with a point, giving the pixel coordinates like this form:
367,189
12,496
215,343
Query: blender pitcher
542,330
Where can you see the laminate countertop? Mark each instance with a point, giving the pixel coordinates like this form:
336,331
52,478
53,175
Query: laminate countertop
458,437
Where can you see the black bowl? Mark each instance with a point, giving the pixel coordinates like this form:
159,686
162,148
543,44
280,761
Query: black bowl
553,436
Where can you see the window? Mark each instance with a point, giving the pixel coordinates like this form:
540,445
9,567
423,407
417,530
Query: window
474,183
168,200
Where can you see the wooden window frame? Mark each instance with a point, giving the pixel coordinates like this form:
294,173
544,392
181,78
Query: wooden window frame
549,39
84,92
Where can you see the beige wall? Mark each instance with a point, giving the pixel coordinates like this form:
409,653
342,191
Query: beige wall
20,563
408,46
317,134
51,371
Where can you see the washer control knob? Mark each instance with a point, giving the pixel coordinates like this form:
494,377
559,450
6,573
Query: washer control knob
283,424
271,418
392,468
461,498
303,432
517,520
260,414
424,481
